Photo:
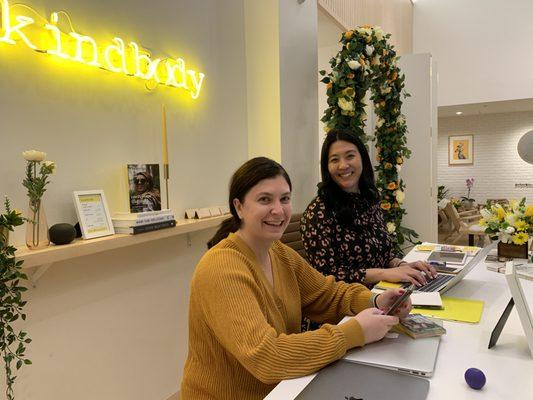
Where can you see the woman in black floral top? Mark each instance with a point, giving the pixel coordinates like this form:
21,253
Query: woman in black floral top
343,229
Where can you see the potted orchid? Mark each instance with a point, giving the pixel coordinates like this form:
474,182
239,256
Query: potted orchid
467,202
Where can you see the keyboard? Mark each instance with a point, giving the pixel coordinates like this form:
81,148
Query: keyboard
435,284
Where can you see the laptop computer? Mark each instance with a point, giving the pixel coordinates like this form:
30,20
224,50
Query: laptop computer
402,353
445,281
342,380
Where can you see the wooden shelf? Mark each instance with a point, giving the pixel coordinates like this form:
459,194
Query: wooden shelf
45,257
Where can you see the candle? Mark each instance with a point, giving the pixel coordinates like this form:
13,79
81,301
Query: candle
165,147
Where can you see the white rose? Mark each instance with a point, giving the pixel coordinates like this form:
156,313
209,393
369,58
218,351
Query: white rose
346,105
379,32
33,155
509,230
400,196
50,164
380,122
504,237
391,227
354,65
398,168
369,50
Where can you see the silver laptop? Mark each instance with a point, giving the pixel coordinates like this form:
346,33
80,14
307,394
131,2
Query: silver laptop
403,354
342,380
444,282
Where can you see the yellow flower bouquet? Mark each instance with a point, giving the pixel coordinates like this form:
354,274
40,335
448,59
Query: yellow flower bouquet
512,223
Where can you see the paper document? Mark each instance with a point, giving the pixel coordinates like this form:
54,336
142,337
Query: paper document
455,309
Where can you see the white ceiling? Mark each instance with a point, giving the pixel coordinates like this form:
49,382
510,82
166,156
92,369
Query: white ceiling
487,108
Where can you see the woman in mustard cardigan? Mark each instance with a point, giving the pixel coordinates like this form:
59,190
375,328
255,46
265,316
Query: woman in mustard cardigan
248,294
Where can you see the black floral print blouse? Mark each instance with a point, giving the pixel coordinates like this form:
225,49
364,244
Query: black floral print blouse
346,249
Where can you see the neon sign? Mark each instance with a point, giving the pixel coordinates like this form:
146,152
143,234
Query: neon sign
128,59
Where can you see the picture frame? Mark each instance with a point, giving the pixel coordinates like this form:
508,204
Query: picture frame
461,150
93,213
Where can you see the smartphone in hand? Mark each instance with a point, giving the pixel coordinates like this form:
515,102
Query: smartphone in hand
400,300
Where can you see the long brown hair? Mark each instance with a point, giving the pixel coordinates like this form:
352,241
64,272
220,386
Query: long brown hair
243,180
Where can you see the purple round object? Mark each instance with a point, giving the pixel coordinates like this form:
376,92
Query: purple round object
475,378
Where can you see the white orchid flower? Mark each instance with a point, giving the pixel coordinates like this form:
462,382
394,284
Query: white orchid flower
34,155
369,50
391,227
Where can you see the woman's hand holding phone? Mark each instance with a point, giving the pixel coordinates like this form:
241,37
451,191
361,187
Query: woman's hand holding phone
395,301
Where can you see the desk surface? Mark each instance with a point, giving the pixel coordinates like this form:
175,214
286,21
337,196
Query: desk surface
508,366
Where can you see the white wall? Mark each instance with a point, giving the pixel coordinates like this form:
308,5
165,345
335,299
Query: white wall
299,97
419,172
482,48
497,166
114,326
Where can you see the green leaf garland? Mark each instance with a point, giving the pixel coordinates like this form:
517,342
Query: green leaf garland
368,61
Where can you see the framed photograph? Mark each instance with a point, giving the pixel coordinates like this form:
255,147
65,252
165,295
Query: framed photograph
93,214
461,150
144,187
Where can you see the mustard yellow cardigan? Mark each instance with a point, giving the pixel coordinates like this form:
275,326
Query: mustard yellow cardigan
244,334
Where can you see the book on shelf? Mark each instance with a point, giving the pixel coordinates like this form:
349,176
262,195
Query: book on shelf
417,326
146,228
134,216
144,187
150,219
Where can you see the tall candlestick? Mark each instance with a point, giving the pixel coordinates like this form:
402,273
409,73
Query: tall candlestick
165,147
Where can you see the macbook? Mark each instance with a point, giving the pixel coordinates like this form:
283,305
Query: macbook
444,282
342,380
402,353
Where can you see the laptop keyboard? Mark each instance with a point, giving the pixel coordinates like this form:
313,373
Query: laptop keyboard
434,284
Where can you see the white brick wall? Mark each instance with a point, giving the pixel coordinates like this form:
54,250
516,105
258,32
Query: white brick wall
497,165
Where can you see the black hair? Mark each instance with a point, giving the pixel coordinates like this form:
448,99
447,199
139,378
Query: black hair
243,180
333,196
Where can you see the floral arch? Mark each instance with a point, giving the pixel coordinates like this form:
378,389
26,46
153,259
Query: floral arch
367,61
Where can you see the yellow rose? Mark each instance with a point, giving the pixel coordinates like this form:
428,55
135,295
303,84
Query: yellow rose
348,34
388,165
385,205
529,211
500,212
399,160
391,185
391,227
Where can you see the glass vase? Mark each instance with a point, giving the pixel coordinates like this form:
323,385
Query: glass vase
37,228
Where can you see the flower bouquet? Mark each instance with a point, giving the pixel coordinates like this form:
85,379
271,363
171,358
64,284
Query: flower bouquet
37,173
512,223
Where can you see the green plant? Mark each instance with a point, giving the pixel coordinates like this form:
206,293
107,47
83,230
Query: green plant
442,192
367,61
12,343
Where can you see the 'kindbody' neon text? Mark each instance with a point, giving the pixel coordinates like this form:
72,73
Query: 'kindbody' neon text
116,57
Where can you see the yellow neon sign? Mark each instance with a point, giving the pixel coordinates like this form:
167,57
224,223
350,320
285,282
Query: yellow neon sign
116,57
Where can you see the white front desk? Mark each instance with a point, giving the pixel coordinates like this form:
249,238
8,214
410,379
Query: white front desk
508,366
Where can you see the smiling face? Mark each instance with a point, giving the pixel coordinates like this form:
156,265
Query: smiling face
345,165
266,210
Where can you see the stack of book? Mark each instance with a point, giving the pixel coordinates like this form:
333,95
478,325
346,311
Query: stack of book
147,221
417,326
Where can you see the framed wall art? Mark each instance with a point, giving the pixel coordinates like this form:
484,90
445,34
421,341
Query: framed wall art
461,150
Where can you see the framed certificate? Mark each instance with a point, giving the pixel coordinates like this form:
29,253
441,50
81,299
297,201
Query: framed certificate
93,214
